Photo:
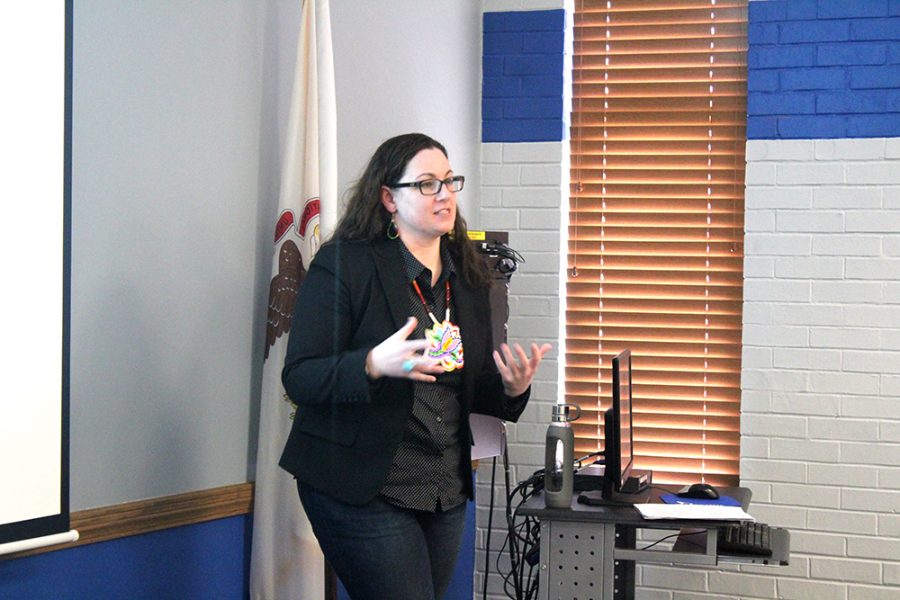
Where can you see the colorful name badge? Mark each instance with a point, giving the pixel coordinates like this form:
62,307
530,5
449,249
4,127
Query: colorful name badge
445,345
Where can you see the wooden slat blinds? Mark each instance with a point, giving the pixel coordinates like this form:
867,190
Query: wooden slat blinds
655,246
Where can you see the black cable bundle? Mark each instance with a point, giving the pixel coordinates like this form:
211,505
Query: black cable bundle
523,538
522,542
508,258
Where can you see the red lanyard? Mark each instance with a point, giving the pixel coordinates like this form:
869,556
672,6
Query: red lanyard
415,285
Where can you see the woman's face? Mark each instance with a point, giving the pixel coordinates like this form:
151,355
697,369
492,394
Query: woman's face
420,218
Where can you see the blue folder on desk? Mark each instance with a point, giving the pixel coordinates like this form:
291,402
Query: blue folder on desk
720,501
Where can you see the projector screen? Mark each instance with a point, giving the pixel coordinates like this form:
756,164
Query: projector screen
35,187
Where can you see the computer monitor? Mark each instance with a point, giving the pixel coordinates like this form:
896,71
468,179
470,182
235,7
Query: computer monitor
619,440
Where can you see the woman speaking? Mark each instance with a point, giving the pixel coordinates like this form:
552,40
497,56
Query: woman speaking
390,351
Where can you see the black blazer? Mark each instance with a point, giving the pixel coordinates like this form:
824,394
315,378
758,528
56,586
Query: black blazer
347,429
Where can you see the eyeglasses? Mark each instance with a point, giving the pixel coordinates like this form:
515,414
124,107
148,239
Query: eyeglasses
432,187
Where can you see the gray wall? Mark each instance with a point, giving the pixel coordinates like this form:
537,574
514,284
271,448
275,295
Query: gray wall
178,124
409,65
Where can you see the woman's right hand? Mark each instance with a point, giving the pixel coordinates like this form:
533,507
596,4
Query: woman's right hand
398,356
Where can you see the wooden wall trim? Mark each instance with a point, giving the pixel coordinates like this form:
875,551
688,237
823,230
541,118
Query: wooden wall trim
154,514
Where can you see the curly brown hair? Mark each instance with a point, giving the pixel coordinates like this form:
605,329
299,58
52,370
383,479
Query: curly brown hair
366,218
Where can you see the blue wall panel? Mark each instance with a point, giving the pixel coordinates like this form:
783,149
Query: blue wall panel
522,86
204,561
823,69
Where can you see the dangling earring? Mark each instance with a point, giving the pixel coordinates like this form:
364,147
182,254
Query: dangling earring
392,232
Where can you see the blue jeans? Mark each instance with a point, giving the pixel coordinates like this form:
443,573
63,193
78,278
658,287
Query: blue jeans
380,551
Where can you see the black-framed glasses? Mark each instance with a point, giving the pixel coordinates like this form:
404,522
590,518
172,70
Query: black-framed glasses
432,187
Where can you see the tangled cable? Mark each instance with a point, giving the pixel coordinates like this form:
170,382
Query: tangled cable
523,538
522,543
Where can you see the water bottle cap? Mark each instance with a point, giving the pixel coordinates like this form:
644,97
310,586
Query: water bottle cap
563,413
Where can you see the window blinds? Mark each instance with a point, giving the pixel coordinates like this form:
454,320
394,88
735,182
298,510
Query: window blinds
655,232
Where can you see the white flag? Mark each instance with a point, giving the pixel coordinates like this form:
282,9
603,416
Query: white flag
286,562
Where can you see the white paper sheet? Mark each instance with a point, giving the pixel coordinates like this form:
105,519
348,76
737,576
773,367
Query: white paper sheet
693,511
489,433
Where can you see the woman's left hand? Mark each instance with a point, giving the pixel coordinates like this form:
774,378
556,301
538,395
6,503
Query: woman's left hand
516,369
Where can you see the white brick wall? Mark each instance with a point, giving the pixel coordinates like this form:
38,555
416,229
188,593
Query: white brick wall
820,399
820,362
524,182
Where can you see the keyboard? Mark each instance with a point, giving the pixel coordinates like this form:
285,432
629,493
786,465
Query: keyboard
745,537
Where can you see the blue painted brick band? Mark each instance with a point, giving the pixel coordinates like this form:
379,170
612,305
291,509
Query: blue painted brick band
852,54
875,29
522,130
522,21
533,64
552,42
798,32
816,69
843,9
522,86
503,43
823,69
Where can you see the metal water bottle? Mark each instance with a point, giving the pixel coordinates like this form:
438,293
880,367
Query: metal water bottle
559,457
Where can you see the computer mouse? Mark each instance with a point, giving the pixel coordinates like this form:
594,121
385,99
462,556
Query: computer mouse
699,490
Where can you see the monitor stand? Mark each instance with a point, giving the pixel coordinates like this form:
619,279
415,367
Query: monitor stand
600,498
